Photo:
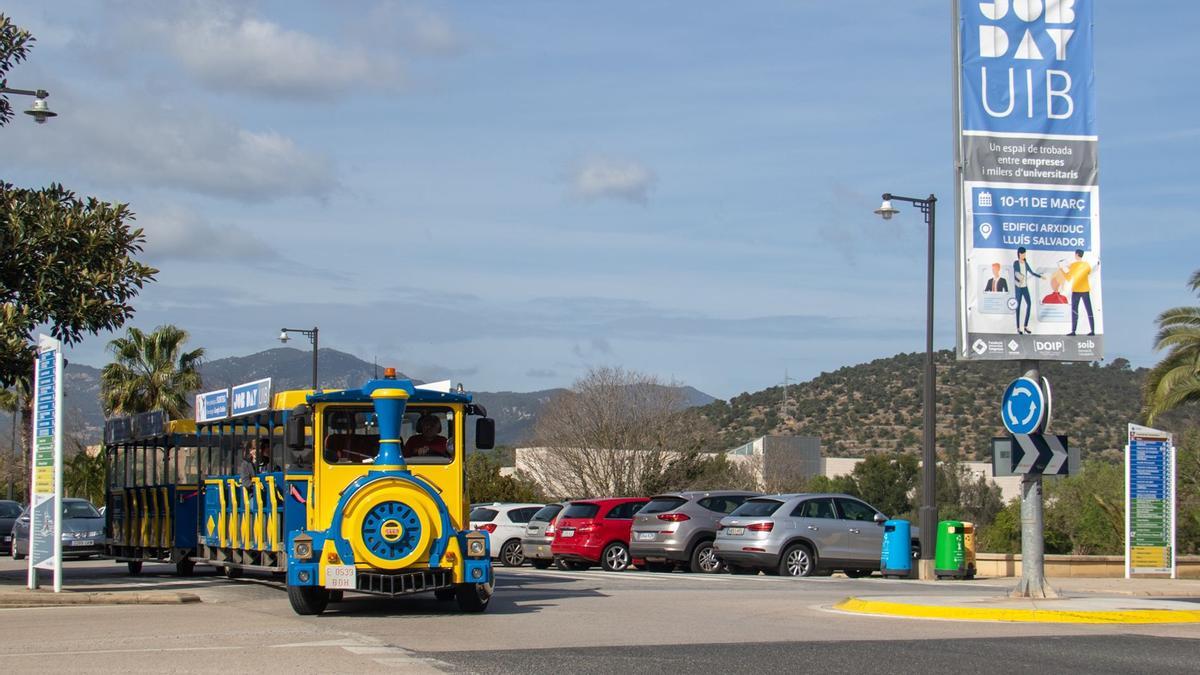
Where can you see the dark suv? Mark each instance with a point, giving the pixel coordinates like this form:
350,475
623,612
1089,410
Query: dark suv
678,528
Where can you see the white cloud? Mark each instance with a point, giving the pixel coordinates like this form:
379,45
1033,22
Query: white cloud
614,179
233,51
414,28
138,141
178,234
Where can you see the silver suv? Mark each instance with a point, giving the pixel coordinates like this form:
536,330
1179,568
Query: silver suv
678,529
539,534
802,535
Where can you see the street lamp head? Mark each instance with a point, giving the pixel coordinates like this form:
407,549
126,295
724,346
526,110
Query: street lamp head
283,336
886,209
40,111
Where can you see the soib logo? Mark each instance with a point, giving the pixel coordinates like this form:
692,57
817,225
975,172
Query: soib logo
1026,64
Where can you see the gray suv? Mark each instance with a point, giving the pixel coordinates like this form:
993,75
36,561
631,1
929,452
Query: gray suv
802,535
678,529
539,534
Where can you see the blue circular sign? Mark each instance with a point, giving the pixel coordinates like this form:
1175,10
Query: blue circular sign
1023,408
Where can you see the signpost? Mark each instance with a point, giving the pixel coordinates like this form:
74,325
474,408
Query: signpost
1035,454
1024,407
1149,502
45,526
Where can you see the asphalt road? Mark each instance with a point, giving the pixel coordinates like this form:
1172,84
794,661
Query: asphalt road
556,622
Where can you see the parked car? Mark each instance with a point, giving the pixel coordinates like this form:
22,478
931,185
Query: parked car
802,535
9,512
504,524
539,534
679,528
82,530
595,531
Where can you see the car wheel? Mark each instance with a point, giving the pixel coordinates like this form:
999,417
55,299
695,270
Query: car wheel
135,566
797,561
473,597
308,600
540,564
858,574
739,569
615,557
17,555
232,572
705,560
511,553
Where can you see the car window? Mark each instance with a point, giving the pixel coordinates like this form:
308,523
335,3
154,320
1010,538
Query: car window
522,515
482,515
852,509
547,513
621,511
756,508
724,505
821,507
79,510
581,510
663,504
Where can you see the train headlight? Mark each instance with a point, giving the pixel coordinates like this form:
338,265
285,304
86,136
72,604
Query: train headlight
476,544
302,547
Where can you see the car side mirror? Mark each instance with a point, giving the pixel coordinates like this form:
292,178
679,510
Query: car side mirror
880,519
293,433
485,433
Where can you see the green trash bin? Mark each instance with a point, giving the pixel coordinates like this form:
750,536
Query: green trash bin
950,560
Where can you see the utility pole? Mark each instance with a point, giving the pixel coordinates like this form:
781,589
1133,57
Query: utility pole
1033,575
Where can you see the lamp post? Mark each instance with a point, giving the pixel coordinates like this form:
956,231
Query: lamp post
39,110
927,514
312,337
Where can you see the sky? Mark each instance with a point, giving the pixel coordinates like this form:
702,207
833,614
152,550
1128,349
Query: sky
507,194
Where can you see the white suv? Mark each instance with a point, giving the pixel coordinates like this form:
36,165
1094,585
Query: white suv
505,524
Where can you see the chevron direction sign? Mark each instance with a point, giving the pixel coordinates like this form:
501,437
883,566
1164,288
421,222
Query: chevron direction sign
1022,454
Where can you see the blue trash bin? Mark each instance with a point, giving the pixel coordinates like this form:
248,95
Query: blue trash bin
895,560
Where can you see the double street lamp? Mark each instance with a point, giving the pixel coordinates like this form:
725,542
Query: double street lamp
927,514
312,337
40,110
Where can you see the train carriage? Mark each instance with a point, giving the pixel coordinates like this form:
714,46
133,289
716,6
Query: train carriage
152,491
348,501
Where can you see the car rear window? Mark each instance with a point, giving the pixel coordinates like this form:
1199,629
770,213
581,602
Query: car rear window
757,508
547,513
663,504
581,510
10,510
482,515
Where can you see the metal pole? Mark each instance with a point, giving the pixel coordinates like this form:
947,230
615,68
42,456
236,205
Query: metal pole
314,343
13,468
928,510
1033,578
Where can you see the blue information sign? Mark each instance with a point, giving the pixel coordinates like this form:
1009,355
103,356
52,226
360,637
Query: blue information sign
212,405
252,397
1023,408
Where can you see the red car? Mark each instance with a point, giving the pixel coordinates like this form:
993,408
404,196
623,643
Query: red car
592,531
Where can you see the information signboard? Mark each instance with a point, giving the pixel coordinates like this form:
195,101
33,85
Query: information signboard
1029,227
251,397
1149,502
45,526
212,405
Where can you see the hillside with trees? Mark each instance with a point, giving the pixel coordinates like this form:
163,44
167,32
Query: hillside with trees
871,407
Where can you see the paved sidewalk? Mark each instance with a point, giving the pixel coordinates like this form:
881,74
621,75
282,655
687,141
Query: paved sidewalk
45,597
1149,587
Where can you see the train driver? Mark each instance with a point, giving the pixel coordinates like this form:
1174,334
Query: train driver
428,441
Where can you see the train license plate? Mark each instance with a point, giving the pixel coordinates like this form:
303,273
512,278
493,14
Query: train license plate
645,536
82,542
735,531
567,533
341,577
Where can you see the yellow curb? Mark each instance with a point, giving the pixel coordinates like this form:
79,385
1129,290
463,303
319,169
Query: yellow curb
1018,615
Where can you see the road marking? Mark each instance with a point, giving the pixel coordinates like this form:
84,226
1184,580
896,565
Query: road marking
909,611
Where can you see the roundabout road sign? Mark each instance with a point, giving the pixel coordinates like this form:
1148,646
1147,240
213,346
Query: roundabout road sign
1024,406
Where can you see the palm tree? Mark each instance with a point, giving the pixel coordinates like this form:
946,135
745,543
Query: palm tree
84,476
150,372
1175,381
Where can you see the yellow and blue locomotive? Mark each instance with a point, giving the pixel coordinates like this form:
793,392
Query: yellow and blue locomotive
358,490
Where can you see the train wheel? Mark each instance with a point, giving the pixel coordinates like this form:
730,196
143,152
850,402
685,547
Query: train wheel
232,572
185,567
135,566
511,553
308,600
473,597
